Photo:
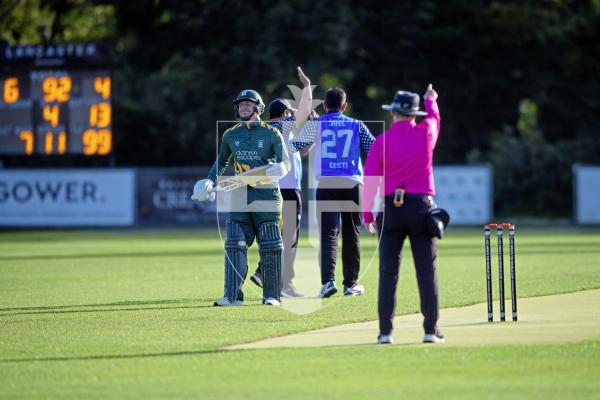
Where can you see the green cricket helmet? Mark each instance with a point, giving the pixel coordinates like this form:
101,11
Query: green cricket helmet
249,95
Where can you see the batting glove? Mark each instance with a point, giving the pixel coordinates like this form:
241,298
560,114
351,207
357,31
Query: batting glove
276,171
203,190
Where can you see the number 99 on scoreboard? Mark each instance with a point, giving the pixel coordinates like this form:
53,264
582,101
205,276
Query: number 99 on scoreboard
58,110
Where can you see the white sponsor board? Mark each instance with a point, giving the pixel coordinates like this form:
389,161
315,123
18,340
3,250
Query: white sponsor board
466,192
56,197
586,193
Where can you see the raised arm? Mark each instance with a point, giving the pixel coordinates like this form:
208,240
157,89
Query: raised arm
305,106
432,121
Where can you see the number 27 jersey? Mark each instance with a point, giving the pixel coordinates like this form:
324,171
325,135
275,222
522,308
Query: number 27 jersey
337,148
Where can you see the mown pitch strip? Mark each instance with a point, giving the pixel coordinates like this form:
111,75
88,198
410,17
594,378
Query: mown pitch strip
564,318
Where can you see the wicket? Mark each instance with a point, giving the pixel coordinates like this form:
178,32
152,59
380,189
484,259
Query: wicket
488,269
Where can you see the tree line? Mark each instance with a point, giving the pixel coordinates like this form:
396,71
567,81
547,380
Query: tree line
518,80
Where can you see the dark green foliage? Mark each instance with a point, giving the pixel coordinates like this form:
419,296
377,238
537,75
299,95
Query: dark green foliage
179,64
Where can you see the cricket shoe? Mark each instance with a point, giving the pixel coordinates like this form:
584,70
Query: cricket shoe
257,279
290,292
436,337
356,290
328,290
385,339
270,301
225,302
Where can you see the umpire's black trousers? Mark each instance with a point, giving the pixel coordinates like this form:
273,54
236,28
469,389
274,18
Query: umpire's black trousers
347,210
394,226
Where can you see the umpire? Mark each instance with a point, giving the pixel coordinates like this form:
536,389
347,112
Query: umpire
403,155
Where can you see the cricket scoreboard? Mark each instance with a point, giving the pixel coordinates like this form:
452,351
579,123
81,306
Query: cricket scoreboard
55,100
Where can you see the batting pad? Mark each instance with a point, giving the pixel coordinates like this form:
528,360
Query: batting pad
236,261
271,253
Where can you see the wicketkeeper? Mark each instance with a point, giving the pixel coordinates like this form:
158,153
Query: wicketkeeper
251,144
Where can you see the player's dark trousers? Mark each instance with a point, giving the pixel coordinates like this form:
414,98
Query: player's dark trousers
399,223
329,225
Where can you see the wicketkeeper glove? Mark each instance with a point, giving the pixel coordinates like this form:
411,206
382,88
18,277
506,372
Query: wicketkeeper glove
276,171
203,190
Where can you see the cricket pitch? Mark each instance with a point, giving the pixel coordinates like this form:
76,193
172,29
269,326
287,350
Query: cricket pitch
564,318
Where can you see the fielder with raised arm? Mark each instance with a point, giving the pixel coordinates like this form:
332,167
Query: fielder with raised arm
250,144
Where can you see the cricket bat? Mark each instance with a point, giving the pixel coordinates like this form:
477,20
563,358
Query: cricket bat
250,177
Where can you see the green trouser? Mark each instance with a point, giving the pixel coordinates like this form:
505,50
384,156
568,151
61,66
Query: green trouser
260,221
257,214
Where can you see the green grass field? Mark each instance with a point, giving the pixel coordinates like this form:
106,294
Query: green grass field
127,314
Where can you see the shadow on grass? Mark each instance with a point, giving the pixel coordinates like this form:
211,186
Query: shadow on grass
103,310
93,308
47,257
111,356
170,354
115,304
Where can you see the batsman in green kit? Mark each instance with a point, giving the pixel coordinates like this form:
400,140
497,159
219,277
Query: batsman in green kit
256,208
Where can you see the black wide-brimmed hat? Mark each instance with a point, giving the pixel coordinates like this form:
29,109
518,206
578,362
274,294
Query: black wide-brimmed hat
278,106
405,103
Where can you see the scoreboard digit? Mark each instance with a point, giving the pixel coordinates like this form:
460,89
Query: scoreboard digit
55,100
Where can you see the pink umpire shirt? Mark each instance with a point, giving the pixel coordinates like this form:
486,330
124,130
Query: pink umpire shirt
403,155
